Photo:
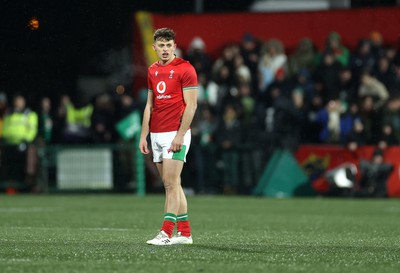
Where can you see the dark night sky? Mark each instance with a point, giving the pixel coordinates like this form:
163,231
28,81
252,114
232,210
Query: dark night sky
71,34
71,39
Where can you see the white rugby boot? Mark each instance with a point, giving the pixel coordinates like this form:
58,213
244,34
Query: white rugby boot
179,239
161,239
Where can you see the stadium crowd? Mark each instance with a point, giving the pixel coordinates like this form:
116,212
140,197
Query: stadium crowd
256,97
253,98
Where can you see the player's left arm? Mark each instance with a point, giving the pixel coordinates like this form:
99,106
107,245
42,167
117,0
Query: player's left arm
190,98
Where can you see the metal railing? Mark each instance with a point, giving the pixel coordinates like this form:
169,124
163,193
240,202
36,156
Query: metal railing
121,168
60,168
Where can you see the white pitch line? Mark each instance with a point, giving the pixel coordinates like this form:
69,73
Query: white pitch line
392,209
15,260
23,210
107,229
88,229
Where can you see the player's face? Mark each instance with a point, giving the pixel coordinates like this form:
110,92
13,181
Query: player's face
165,50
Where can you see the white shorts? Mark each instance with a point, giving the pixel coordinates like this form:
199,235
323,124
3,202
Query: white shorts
161,142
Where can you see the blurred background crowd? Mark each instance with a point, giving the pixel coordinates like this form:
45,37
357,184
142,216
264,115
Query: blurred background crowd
253,98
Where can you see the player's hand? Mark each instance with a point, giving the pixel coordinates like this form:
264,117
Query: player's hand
143,146
176,144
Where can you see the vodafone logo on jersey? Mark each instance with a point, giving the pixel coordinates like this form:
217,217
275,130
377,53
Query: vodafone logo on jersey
161,88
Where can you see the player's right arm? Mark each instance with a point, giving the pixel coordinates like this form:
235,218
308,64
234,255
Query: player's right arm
146,124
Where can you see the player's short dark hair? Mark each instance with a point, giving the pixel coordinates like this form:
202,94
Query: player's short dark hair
166,34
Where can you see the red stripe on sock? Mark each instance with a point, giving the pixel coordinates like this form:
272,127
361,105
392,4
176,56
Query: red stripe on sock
184,228
168,227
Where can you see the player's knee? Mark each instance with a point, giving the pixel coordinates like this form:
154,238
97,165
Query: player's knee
170,184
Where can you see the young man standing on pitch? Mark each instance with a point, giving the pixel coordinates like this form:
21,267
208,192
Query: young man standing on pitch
170,108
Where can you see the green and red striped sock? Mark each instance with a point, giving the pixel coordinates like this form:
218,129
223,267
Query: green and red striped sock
169,223
183,224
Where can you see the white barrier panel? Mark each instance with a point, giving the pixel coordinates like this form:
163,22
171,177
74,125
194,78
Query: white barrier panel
79,169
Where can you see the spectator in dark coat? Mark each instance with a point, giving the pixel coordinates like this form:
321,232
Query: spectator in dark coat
327,74
374,175
198,57
384,73
250,51
387,137
362,59
103,119
357,137
348,92
228,137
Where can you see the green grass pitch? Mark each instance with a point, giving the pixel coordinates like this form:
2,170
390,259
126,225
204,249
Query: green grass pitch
107,233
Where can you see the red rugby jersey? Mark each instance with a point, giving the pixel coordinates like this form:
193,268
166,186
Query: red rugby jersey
167,84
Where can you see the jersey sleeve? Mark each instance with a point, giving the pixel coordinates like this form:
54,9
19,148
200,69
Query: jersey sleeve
149,82
189,78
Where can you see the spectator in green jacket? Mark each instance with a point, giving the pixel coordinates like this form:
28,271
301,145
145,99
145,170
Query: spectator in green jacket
334,44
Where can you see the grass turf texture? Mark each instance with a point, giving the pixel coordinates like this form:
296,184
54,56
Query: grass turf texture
107,233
